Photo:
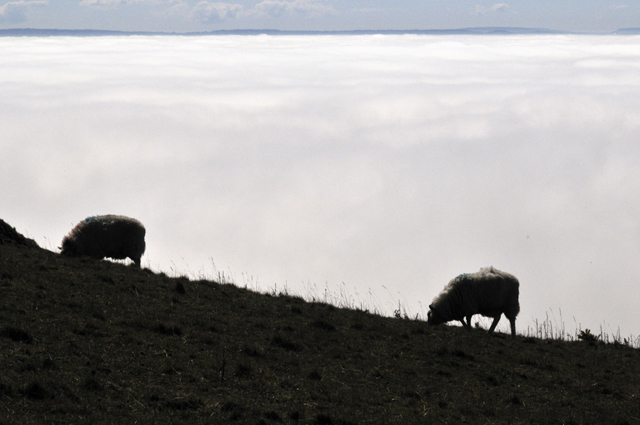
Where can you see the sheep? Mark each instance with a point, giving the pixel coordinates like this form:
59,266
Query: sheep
101,236
489,292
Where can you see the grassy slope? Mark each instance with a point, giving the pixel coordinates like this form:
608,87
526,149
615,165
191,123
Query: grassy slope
85,341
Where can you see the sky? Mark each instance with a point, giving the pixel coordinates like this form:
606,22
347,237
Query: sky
365,170
204,15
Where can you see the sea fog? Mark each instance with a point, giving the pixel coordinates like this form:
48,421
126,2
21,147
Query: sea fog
368,169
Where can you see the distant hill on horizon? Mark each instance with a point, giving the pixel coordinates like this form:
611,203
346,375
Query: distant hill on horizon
37,32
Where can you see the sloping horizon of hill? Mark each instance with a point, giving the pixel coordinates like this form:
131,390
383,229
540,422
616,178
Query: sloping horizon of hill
89,341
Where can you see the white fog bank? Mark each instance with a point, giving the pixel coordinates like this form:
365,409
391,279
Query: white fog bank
382,165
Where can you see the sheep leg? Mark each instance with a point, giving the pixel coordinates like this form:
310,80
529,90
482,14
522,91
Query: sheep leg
466,324
495,323
513,327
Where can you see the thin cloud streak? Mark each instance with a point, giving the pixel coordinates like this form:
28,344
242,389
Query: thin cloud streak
16,11
216,11
186,16
390,162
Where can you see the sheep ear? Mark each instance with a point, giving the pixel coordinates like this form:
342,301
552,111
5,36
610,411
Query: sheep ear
430,306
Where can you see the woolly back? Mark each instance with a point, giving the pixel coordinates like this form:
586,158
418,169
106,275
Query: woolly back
108,219
74,238
484,291
497,289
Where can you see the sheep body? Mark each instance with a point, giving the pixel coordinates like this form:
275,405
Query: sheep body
111,236
489,292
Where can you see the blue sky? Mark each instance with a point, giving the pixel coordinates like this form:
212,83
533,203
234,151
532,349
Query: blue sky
199,15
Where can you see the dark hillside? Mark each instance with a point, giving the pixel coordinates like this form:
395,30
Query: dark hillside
10,236
85,341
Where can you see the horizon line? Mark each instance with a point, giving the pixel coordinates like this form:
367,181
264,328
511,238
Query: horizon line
453,31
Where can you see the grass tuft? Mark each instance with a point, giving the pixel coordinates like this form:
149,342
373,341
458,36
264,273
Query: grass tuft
35,391
16,334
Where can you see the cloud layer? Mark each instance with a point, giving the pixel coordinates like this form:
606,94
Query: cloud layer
387,163
216,11
15,12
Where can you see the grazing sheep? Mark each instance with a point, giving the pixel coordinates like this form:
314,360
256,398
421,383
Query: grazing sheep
101,236
489,292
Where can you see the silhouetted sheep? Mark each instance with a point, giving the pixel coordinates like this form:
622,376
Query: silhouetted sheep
111,236
489,292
